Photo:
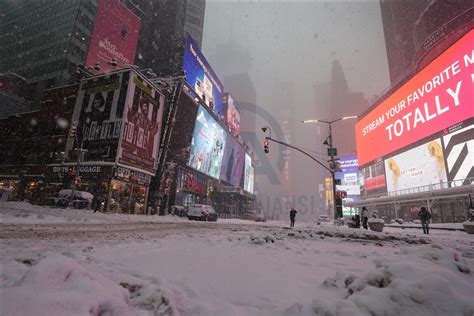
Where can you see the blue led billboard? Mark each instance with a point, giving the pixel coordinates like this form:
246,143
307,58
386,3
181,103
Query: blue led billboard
202,78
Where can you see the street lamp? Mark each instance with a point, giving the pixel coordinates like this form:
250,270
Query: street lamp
332,152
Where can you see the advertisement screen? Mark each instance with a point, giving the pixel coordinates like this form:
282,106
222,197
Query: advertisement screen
114,36
232,163
233,116
349,175
248,174
98,113
373,179
458,150
202,78
207,145
437,97
142,126
420,166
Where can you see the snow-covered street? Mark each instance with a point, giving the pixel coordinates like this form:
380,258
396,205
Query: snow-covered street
71,262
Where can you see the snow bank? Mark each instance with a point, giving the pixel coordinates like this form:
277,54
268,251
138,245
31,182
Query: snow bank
376,220
57,285
427,281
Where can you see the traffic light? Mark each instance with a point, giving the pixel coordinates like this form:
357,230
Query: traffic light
266,146
73,130
341,194
77,181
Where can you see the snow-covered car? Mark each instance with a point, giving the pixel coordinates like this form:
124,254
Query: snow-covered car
202,212
178,210
81,199
261,218
323,219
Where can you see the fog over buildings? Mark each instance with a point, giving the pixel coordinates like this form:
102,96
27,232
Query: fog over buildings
297,61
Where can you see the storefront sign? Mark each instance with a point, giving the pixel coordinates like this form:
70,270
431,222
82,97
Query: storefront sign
437,97
82,169
191,184
132,176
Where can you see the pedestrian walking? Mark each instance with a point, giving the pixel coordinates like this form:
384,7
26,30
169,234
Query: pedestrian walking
365,217
292,217
425,217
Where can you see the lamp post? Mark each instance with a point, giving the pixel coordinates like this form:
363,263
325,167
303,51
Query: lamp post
332,152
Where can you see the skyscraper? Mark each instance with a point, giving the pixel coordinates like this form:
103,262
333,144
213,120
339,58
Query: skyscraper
413,28
44,42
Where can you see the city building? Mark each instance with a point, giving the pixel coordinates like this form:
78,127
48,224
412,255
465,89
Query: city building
415,144
45,42
417,31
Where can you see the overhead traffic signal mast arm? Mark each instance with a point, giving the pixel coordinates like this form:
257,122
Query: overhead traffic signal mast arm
301,151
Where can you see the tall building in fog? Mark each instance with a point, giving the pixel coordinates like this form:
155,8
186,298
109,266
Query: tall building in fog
44,41
413,28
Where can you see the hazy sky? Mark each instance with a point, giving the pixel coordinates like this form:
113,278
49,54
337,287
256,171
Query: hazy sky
294,44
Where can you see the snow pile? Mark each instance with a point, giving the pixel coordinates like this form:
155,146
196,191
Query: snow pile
427,281
57,285
376,220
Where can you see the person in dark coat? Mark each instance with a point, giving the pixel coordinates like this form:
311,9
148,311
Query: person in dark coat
357,221
292,217
365,217
425,217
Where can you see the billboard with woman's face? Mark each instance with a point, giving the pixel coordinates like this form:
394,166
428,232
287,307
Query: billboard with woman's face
421,166
142,126
207,145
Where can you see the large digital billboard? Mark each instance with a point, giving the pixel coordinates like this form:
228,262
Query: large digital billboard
114,36
98,115
420,166
232,114
248,174
437,97
373,178
202,78
207,144
233,162
458,145
349,175
142,126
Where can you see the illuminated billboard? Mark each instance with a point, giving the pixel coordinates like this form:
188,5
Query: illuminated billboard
437,97
202,78
207,145
98,116
421,166
114,36
458,150
233,162
349,175
248,174
232,114
373,179
142,126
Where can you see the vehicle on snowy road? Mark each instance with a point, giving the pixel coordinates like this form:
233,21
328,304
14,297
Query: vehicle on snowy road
202,212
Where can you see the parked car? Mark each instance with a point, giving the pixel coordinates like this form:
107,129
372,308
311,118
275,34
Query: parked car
81,199
323,219
201,212
179,210
249,215
261,218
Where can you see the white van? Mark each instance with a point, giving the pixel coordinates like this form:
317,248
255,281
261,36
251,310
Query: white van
201,212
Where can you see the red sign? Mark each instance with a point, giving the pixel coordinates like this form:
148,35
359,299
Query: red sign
191,184
114,37
437,97
142,126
